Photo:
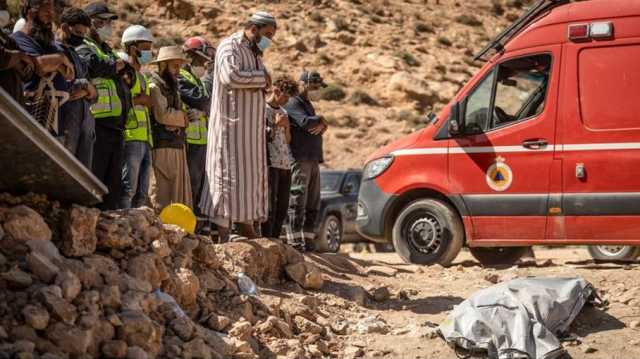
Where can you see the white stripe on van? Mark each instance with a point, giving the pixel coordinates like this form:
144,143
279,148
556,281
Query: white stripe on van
514,149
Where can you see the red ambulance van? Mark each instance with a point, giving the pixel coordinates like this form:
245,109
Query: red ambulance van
542,146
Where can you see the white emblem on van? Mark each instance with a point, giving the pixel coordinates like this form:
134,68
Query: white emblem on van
499,176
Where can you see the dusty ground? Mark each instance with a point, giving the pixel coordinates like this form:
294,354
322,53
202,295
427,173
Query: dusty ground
424,295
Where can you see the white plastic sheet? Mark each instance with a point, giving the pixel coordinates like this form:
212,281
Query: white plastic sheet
517,319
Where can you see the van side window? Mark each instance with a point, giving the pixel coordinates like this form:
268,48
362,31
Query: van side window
609,82
517,92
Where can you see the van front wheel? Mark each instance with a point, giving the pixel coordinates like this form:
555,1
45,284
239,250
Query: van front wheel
428,231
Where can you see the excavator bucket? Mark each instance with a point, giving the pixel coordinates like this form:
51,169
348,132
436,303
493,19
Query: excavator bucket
31,160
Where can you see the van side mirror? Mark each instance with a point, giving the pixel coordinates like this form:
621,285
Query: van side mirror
456,123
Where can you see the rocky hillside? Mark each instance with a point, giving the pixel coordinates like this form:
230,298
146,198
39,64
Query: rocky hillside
390,61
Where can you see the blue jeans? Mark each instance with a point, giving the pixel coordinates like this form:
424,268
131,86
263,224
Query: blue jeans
135,174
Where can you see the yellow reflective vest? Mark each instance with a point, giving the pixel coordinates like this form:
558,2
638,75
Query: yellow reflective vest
197,130
138,126
108,103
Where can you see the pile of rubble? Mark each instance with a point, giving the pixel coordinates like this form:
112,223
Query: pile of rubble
80,283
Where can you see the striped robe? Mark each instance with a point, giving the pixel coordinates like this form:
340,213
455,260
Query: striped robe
236,167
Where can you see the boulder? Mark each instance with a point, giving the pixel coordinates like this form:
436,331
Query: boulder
372,325
161,248
110,297
218,323
205,253
59,308
263,260
183,285
242,330
182,327
276,327
139,330
136,353
380,293
79,231
24,224
306,274
304,325
115,349
42,267
210,282
36,316
16,278
74,340
144,267
88,276
114,231
70,285
197,349
47,249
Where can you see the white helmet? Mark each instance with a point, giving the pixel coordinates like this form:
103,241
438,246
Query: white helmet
136,33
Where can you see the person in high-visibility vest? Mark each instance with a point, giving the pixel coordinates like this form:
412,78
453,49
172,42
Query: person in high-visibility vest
112,78
198,101
137,41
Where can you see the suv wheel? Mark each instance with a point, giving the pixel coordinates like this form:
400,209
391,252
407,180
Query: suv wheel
498,256
329,238
614,253
428,231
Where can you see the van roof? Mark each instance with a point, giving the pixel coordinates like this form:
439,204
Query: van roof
590,10
574,12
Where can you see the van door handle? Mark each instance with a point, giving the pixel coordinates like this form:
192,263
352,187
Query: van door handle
535,144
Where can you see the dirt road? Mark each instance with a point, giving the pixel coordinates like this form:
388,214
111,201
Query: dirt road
423,296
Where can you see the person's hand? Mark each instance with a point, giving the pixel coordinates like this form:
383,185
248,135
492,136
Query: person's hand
47,64
119,65
142,100
193,115
67,69
78,94
24,64
317,129
92,91
282,120
325,125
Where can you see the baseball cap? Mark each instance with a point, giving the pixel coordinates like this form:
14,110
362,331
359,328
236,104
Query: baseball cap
100,10
312,77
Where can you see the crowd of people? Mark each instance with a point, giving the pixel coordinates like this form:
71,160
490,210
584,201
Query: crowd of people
207,127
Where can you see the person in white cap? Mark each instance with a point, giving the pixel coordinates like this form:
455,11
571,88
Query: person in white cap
236,190
168,122
137,41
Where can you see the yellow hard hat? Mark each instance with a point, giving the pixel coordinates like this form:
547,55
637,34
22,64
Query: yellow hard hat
180,215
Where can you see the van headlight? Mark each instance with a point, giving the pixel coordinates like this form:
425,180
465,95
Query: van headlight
375,168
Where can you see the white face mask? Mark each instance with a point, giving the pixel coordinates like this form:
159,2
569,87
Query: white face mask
5,18
105,33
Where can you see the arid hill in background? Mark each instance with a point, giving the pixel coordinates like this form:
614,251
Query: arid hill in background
390,62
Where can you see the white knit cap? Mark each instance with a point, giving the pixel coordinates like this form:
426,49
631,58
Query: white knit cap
263,18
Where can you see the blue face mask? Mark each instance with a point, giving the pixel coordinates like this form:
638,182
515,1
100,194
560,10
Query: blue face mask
264,43
145,57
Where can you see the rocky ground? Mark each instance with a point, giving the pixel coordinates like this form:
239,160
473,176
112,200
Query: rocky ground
78,283
389,62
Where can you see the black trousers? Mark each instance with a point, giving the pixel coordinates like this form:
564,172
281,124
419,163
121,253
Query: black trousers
108,159
279,188
305,198
196,160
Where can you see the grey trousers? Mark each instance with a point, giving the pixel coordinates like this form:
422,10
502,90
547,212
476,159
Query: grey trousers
304,202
